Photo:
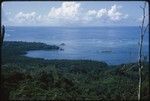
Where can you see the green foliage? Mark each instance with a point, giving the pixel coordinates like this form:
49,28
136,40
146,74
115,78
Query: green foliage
26,78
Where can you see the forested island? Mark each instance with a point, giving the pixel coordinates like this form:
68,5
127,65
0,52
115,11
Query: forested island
25,78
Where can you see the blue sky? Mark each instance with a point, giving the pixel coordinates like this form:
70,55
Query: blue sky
79,13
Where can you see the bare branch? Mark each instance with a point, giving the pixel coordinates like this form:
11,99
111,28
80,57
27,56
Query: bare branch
134,65
143,31
141,7
146,28
140,27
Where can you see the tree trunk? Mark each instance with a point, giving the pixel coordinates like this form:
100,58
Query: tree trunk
143,31
2,34
140,81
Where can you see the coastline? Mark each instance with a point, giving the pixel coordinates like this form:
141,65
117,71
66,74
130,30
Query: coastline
71,79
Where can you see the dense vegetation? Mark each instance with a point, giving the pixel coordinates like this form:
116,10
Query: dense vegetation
25,78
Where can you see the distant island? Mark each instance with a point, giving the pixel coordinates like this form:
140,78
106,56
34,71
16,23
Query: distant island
106,51
62,44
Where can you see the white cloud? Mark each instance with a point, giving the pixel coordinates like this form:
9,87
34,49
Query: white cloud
102,12
21,17
70,13
68,10
114,14
92,12
111,14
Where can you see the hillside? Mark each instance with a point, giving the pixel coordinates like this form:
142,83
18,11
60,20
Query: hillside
25,78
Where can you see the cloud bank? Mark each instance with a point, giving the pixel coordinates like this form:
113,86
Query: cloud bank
70,13
111,14
26,18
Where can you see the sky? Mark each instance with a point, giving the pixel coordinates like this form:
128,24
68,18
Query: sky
77,13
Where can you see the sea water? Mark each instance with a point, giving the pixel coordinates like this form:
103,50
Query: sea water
114,45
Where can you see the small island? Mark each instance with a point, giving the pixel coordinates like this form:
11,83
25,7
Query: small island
106,51
62,44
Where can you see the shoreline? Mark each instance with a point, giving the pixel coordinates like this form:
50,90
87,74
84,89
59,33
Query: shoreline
24,76
32,46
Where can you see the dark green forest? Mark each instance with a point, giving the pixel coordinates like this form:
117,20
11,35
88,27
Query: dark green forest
24,78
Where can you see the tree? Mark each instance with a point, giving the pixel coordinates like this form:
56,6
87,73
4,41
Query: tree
2,34
143,31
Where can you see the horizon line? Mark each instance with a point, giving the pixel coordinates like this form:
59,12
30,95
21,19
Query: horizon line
72,26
